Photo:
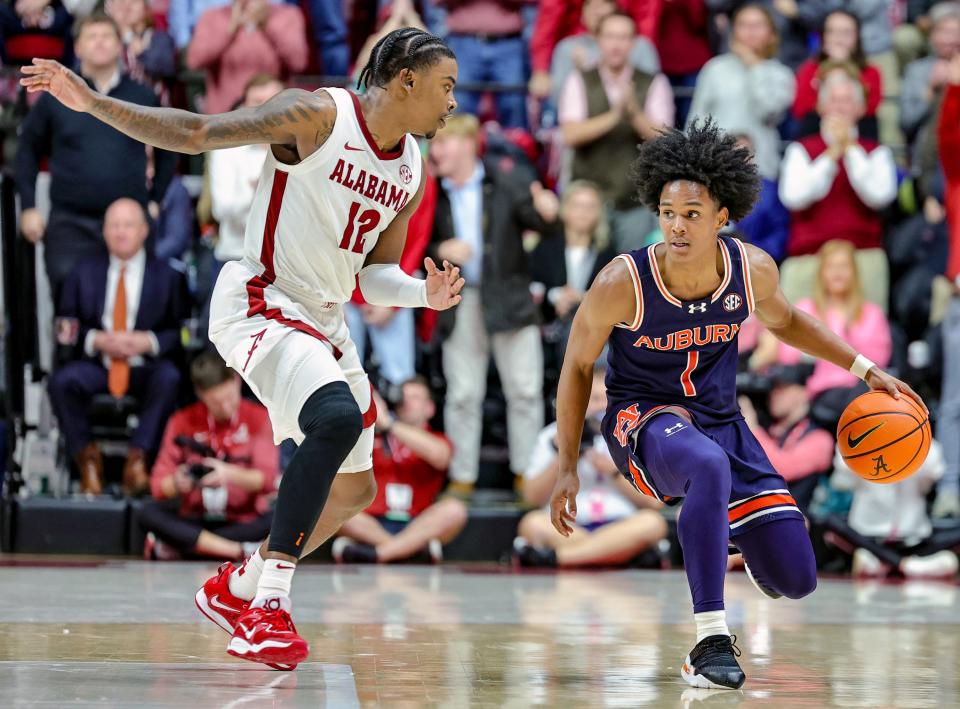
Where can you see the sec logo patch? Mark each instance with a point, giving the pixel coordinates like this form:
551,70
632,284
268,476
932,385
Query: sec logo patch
731,302
406,174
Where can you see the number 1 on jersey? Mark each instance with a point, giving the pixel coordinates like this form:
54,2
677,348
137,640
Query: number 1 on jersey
369,219
693,359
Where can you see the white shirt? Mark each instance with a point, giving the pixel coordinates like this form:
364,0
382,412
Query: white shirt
234,174
466,205
803,181
599,500
133,285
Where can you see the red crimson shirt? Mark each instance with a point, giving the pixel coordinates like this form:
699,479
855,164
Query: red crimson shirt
406,483
949,133
247,440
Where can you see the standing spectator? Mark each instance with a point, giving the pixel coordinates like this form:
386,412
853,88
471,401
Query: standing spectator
330,36
410,462
481,212
235,43
924,79
486,36
794,20
91,164
947,503
747,89
799,450
839,303
569,257
128,309
615,523
210,502
834,182
684,47
34,28
149,54
840,44
582,52
173,220
768,225
604,113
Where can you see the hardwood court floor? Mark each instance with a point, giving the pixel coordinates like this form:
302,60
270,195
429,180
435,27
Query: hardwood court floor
127,634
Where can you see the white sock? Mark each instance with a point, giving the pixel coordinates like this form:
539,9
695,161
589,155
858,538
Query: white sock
274,581
711,623
243,581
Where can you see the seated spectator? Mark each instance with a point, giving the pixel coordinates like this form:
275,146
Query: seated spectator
581,52
840,43
768,225
799,450
835,182
888,529
838,302
149,54
215,473
34,28
924,79
568,258
482,210
683,43
615,522
91,164
604,112
127,308
486,36
249,37
410,462
747,89
173,217
947,503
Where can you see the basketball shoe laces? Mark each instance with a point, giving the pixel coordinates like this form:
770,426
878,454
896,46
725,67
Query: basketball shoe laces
277,621
717,650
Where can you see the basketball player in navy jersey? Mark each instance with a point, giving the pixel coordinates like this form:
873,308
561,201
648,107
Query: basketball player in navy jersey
670,314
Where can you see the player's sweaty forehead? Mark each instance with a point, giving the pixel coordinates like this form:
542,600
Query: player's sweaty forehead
685,192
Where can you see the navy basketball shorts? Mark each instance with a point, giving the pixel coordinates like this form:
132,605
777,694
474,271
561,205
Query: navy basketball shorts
758,493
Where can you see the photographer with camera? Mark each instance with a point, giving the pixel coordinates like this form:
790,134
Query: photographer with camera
215,473
615,523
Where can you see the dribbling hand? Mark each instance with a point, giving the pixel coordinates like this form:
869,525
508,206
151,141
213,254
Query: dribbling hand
563,503
443,285
63,84
878,379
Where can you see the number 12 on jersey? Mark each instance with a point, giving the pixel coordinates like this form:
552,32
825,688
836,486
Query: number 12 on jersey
686,381
368,220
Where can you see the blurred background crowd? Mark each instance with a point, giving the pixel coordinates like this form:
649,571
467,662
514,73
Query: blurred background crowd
851,109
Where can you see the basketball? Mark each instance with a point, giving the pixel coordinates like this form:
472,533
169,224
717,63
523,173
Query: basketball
883,439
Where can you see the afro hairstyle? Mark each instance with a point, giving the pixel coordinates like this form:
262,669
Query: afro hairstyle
703,154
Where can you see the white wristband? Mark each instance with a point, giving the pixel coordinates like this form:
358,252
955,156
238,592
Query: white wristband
387,284
861,365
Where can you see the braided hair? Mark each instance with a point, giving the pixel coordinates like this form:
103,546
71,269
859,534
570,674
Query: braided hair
404,48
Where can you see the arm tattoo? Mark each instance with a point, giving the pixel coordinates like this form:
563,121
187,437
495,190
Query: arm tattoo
292,117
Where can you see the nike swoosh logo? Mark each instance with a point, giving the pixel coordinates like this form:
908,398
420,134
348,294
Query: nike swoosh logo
248,633
285,567
217,604
854,442
350,147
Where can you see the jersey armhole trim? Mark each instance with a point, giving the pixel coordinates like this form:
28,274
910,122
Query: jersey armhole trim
747,283
307,163
637,291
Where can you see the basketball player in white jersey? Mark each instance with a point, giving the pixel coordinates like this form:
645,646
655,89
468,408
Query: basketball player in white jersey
337,190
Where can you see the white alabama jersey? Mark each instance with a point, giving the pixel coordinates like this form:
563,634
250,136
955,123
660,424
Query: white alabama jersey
312,224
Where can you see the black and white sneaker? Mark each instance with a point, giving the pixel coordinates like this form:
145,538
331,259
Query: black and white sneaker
712,664
525,554
768,592
347,551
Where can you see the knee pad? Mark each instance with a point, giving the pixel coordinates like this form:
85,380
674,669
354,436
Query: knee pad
331,412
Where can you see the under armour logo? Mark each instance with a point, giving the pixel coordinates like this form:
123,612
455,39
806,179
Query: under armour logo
696,308
670,430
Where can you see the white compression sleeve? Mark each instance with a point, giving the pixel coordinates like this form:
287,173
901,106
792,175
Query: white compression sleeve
387,284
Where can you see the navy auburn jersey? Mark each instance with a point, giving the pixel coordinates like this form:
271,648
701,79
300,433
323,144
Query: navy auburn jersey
681,352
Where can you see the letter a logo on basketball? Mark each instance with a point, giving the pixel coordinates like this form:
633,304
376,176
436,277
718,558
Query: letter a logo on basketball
881,467
854,442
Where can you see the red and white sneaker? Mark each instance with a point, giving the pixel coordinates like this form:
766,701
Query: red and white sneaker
267,634
219,605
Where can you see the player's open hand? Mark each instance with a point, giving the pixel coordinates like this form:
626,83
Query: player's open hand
878,379
563,503
443,285
64,85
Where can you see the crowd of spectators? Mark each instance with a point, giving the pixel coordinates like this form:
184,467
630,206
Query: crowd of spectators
851,109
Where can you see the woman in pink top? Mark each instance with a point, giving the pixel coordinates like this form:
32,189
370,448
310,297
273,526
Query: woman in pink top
838,302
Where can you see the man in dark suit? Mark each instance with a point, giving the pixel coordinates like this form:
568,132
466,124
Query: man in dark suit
123,313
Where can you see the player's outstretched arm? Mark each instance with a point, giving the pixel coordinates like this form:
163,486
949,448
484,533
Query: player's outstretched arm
292,117
798,329
610,300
